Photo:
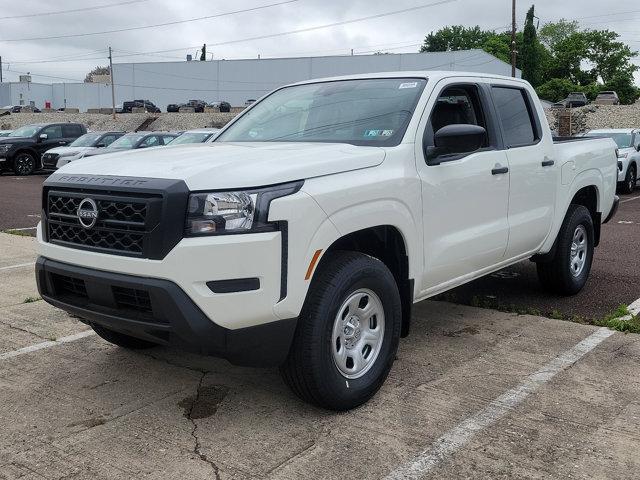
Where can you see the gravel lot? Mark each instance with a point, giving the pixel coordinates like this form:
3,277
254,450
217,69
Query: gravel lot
127,122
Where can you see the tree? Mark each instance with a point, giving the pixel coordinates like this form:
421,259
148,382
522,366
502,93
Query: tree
456,37
608,56
554,32
557,89
96,71
530,53
622,83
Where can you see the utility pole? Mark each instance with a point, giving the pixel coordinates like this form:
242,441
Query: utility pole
0,69
513,38
113,88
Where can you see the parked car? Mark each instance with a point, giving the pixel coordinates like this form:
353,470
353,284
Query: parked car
195,136
22,149
607,98
576,99
133,141
197,105
59,156
224,107
302,236
146,104
21,109
628,142
173,107
4,133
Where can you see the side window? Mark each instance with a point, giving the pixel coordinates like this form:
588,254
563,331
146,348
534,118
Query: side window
460,109
107,140
151,141
166,139
515,116
53,132
71,131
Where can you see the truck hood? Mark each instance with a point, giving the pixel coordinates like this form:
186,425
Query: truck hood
232,165
68,150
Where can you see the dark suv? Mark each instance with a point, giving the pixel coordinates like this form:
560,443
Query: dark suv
22,149
148,105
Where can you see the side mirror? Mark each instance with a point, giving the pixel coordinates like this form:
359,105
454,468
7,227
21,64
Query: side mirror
455,139
101,145
43,136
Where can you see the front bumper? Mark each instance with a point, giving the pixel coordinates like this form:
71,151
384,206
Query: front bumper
159,311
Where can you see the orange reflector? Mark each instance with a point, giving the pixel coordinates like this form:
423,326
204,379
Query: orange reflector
312,264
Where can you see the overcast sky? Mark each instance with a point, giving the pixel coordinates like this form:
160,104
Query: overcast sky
402,32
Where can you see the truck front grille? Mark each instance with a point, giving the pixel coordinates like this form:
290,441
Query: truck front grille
122,224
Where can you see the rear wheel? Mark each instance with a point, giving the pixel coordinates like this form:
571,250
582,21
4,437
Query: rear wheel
568,271
630,180
120,339
348,333
24,164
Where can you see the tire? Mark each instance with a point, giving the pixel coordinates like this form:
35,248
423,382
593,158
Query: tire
325,333
630,180
24,164
568,271
121,340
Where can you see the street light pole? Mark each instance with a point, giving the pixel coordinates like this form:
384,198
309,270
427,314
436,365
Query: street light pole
113,88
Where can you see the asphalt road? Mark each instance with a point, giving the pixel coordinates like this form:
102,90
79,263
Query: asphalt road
474,393
615,275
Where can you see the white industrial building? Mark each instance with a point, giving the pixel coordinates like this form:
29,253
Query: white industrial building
234,81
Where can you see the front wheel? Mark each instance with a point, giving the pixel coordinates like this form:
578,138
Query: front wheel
24,164
568,271
348,333
630,180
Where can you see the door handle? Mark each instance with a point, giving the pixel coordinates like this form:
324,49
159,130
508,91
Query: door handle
548,163
498,170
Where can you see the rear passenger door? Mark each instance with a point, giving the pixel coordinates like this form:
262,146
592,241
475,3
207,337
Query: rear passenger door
71,132
534,174
465,195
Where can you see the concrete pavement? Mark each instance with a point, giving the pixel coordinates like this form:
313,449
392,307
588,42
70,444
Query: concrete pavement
86,409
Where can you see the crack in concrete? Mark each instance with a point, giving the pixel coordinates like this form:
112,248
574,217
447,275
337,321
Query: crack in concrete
194,430
23,330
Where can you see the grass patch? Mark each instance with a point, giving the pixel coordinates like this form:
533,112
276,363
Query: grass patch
614,321
20,233
31,299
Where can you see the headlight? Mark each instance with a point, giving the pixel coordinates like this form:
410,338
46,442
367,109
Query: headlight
216,213
622,155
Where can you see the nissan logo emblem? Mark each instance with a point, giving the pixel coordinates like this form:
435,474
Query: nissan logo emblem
87,213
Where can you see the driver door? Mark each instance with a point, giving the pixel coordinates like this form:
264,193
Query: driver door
465,194
54,138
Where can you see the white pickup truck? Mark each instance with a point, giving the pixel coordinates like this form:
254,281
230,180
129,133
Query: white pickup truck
302,236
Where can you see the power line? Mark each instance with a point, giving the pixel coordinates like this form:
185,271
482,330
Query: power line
303,30
143,27
74,10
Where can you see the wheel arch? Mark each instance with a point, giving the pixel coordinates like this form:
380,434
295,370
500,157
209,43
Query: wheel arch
31,152
387,244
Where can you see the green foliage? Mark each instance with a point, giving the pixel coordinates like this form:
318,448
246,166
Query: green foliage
619,320
554,32
456,37
623,84
531,52
557,89
96,71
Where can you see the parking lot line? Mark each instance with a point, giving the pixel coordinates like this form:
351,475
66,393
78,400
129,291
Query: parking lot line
629,199
460,435
19,265
49,344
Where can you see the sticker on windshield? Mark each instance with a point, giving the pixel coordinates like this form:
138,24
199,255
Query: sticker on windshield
408,85
378,133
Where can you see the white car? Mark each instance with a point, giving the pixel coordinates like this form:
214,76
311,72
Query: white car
628,141
203,135
302,236
57,157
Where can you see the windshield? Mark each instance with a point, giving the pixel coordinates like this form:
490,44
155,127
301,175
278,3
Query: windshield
191,137
86,140
26,131
624,140
126,141
359,112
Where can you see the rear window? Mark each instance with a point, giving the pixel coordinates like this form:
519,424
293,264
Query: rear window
515,117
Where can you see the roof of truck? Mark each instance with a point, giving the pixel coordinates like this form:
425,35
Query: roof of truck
427,74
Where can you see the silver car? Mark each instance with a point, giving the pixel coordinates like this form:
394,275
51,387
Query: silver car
628,141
